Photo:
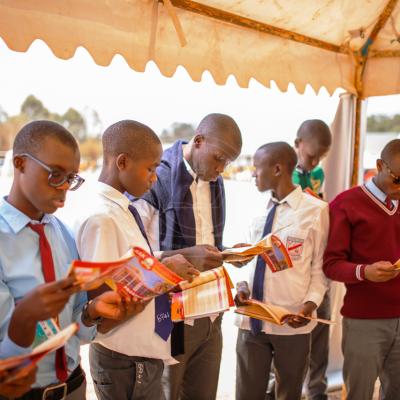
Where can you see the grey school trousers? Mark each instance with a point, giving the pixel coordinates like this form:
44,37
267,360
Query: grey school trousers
196,376
255,353
316,380
371,349
117,376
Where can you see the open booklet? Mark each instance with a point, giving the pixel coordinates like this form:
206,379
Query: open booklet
142,276
397,264
270,248
138,275
14,367
209,293
271,313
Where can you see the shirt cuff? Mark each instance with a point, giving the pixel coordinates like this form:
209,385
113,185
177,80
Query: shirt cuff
10,349
86,333
360,272
315,297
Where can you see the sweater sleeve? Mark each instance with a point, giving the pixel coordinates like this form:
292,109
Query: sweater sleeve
337,254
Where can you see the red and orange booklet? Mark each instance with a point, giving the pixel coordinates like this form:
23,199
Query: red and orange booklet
209,293
14,367
138,275
141,276
270,248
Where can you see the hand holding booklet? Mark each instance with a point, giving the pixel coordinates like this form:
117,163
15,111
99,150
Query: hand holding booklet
271,313
15,367
270,248
209,293
137,275
141,276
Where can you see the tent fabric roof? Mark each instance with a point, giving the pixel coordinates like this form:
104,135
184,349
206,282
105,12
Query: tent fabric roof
225,37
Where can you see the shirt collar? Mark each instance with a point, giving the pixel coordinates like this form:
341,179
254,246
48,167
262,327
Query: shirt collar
381,196
301,171
113,195
292,199
189,169
15,218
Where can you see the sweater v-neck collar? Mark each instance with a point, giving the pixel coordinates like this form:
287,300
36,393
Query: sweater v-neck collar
379,203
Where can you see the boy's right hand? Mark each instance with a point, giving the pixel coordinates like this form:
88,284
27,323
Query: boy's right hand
19,386
46,300
242,293
245,260
182,267
203,257
381,271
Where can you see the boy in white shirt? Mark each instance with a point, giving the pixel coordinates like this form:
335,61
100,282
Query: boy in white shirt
298,219
127,363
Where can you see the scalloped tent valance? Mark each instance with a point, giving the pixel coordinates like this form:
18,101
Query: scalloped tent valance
349,44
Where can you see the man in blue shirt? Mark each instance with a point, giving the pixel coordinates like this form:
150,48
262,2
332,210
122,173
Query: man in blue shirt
35,245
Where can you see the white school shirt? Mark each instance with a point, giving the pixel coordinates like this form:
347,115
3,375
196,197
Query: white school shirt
299,219
201,195
106,232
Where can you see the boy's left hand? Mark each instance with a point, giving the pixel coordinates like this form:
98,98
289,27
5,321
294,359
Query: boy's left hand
307,310
111,305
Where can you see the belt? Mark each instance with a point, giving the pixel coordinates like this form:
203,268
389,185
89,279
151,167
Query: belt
58,391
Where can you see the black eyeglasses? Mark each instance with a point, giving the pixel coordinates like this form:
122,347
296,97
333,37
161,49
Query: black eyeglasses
56,177
395,178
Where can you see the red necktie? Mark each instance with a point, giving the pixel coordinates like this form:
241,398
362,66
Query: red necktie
49,276
388,203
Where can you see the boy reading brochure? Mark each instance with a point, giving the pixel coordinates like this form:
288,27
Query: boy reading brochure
128,362
35,252
301,222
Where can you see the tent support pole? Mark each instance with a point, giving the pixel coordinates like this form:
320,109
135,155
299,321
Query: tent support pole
356,149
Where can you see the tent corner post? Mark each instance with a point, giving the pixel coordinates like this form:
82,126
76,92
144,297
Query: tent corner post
356,147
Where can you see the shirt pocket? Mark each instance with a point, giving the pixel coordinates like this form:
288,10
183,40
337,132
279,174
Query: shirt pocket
295,242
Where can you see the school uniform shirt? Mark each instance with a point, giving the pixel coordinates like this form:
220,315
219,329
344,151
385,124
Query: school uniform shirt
201,196
21,272
105,232
299,219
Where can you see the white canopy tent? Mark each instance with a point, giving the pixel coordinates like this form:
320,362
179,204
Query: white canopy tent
349,44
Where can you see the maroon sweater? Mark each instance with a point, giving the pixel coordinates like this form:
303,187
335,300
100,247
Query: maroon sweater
363,231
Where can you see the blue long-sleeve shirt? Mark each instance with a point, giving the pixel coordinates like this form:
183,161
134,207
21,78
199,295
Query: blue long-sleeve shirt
21,272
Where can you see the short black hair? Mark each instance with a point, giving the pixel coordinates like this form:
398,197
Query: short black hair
130,137
315,129
391,150
220,126
30,138
280,153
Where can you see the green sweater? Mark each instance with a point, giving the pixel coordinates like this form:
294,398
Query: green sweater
312,180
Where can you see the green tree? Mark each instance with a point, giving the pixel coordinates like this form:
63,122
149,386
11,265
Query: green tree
383,123
177,131
34,109
75,123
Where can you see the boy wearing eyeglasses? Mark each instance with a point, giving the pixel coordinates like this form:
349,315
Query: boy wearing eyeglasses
362,249
35,252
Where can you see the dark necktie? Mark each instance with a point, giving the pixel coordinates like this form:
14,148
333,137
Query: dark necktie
389,203
163,324
46,257
258,282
